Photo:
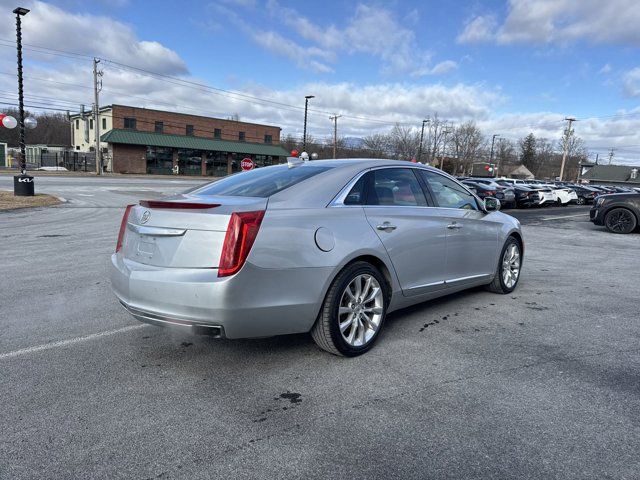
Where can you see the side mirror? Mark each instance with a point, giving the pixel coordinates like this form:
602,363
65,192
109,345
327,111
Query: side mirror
491,204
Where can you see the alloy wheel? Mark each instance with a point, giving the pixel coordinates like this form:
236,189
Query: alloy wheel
620,221
511,265
360,310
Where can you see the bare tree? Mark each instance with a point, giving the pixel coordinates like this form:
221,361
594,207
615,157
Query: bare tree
404,142
377,144
468,143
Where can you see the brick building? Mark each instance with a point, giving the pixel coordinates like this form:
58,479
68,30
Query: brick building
141,140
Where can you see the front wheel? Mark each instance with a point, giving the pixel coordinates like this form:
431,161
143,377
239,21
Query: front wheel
580,201
508,271
353,311
620,220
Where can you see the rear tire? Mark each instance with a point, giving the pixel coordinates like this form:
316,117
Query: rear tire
620,220
352,317
580,201
510,260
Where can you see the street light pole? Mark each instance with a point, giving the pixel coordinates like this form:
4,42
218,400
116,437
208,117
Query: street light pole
23,184
421,138
304,134
493,140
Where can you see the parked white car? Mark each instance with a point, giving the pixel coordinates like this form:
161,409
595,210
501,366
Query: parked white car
563,196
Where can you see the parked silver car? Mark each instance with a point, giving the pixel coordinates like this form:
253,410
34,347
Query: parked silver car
327,246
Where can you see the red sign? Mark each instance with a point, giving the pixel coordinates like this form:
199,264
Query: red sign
247,164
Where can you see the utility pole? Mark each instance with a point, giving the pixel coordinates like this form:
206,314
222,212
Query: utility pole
421,138
335,132
567,135
611,155
97,86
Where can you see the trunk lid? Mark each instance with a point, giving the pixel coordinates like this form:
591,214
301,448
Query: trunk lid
183,231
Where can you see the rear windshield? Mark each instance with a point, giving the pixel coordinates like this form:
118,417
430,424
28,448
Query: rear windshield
261,182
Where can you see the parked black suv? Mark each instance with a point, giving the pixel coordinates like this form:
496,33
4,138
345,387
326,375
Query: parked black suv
618,212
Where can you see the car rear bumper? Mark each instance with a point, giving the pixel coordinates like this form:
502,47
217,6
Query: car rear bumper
256,302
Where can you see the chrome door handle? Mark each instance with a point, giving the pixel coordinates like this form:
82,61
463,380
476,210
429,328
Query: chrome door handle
386,226
454,226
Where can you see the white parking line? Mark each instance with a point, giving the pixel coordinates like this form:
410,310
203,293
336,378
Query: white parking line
71,341
565,216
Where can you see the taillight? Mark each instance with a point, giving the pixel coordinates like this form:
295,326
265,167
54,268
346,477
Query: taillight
241,233
123,227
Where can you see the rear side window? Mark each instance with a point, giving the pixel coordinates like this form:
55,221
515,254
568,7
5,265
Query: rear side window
395,187
357,194
261,182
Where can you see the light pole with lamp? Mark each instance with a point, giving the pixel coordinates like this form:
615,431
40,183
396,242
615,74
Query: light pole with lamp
304,134
493,140
421,138
23,183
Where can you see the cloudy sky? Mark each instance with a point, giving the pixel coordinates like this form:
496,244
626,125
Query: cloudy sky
513,66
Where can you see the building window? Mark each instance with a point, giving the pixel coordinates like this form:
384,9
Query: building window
91,124
104,124
190,130
241,136
159,160
217,133
129,123
77,124
268,139
159,128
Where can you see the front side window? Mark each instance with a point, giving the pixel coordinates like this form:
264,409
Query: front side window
395,187
447,193
130,123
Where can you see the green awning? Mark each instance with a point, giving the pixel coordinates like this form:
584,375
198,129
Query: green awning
134,137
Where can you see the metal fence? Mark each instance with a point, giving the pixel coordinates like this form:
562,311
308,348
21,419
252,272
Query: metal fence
69,159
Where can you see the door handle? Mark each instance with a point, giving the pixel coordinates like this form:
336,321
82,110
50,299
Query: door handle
386,226
454,226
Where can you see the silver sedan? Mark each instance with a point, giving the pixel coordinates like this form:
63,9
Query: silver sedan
328,247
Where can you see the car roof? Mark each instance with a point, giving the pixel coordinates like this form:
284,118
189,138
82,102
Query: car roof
322,188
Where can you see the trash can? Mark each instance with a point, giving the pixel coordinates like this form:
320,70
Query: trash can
23,186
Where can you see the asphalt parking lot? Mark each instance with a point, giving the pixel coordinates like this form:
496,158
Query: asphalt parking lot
542,383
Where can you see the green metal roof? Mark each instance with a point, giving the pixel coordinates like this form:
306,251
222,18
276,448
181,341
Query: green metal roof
134,137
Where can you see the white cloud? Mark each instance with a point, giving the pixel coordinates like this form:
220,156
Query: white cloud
372,30
304,57
479,29
631,82
606,68
559,21
50,26
444,67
